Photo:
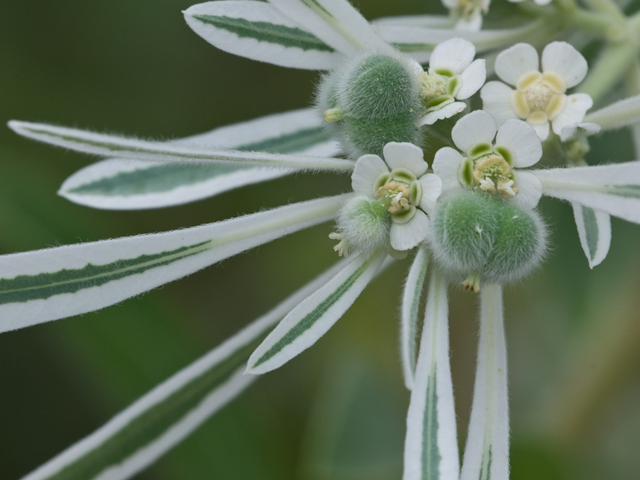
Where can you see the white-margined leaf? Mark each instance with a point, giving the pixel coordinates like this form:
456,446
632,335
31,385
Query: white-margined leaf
336,22
54,283
613,189
120,184
421,21
486,455
594,229
410,311
122,147
258,31
158,421
617,115
419,42
313,317
431,446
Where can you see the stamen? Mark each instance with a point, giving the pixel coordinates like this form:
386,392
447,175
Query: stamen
472,283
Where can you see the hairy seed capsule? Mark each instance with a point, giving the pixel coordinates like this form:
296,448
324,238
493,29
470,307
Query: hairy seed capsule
364,224
480,234
373,99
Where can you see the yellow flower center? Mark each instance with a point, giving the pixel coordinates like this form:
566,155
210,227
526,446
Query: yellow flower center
538,97
397,193
494,175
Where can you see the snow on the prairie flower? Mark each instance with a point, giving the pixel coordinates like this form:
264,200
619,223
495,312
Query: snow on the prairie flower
539,97
391,202
488,165
467,12
452,75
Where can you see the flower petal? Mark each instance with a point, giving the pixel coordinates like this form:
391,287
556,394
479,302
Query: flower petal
542,130
563,59
594,229
445,112
410,310
431,190
405,155
530,190
475,127
405,236
368,169
446,165
455,54
522,142
496,99
473,78
431,447
313,317
574,110
514,62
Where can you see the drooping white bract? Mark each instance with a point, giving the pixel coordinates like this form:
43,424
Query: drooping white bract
488,165
401,182
452,75
468,13
539,98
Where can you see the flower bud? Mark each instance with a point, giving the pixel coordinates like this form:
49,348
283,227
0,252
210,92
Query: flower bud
378,100
479,234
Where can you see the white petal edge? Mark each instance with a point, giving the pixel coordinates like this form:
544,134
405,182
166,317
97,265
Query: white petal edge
405,236
473,78
522,142
487,450
411,296
542,130
563,59
254,49
447,111
206,245
350,282
455,54
446,165
475,127
496,99
431,191
128,466
368,168
433,384
594,230
516,61
405,155
530,190
574,111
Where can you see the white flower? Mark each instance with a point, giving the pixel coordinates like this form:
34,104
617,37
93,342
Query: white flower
467,12
539,98
402,184
452,75
491,166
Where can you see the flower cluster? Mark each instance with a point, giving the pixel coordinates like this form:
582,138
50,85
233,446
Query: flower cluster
473,212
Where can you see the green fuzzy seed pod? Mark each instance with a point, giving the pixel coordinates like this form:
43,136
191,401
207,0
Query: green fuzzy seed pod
380,86
379,96
478,233
365,224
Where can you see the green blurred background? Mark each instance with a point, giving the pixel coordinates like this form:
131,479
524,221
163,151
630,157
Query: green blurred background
336,412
